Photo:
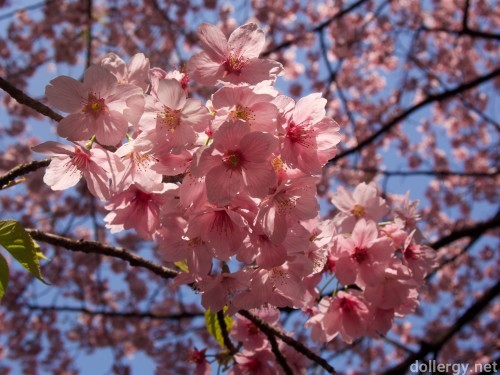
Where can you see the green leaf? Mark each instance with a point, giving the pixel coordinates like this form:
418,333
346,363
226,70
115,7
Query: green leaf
182,265
4,276
20,245
213,326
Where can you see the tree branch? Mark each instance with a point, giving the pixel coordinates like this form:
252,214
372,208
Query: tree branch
21,170
424,172
277,353
92,247
116,314
24,99
430,99
463,320
225,335
298,346
89,33
315,29
472,231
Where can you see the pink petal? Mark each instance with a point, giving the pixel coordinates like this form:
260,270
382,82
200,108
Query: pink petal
76,127
171,94
54,149
112,129
97,181
66,94
364,233
229,135
309,109
256,71
204,70
61,174
213,41
222,185
247,41
256,146
258,178
345,270
265,117
99,81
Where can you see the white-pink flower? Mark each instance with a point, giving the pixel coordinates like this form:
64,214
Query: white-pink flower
309,138
237,162
138,209
347,314
363,257
135,72
70,163
235,60
176,118
243,103
365,202
99,106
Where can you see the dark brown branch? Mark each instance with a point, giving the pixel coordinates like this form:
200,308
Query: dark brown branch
465,20
462,321
225,335
24,99
472,231
424,173
89,33
298,346
315,29
116,314
467,32
279,356
92,247
21,170
430,99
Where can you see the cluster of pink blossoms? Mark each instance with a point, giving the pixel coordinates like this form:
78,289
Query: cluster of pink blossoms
244,168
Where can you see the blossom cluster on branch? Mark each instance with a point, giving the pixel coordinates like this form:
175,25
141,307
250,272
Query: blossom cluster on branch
240,208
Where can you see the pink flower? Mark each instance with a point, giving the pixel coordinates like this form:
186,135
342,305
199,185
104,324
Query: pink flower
393,290
139,161
260,362
309,139
347,314
237,162
295,199
364,202
242,103
235,60
223,228
244,331
99,106
363,257
419,259
175,118
135,73
138,209
70,163
199,359
216,291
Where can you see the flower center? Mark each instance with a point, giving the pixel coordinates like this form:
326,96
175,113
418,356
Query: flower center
234,64
284,204
94,106
240,112
80,160
360,255
358,210
232,160
299,134
170,118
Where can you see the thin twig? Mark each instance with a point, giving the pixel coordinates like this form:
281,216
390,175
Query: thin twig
298,346
24,99
21,170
